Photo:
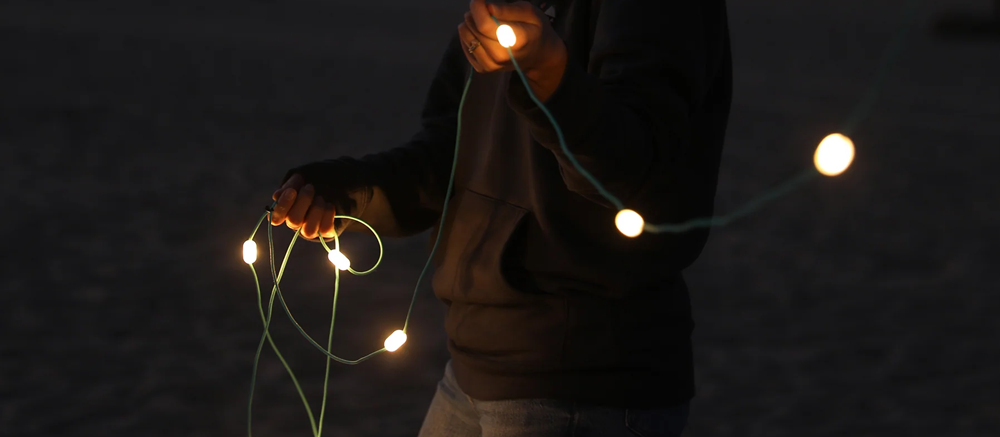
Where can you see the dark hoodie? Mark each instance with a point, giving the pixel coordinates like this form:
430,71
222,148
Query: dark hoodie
546,299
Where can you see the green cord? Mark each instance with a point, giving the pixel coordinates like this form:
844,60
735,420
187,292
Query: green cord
281,300
329,346
860,112
444,208
562,140
267,334
768,196
317,429
336,240
259,221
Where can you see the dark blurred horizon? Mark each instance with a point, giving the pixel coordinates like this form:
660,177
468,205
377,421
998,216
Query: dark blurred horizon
140,141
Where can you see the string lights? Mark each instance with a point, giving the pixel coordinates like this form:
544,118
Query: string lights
249,252
832,157
505,35
395,340
834,154
629,223
339,260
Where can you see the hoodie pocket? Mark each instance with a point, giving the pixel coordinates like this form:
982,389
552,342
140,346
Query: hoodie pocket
478,233
501,327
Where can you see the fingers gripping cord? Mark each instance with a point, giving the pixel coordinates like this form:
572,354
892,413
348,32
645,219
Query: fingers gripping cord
833,156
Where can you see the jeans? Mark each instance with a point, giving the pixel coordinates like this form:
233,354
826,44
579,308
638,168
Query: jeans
454,414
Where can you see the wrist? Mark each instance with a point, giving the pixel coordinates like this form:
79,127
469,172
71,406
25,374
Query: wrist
546,75
360,199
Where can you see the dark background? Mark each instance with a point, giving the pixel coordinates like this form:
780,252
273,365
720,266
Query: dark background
140,141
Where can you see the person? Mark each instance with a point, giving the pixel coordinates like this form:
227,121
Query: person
557,324
969,26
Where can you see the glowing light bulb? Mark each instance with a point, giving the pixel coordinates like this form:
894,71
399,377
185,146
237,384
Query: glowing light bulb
249,251
834,154
339,260
629,223
395,340
505,34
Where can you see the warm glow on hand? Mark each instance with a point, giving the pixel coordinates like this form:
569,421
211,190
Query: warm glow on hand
395,340
505,34
834,154
629,223
249,252
339,260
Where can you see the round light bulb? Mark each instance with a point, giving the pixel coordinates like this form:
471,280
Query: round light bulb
629,223
395,340
249,251
339,260
834,154
505,34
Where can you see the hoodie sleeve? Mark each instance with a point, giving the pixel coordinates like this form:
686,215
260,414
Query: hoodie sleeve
414,176
626,107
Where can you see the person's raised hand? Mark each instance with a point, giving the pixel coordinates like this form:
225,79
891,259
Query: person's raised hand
298,207
538,46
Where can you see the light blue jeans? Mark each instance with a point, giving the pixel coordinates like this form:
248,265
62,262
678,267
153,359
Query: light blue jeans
454,414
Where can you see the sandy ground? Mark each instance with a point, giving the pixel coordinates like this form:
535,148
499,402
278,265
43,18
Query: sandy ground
140,141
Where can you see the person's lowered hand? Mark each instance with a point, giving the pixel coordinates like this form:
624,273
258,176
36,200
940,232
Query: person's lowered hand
302,210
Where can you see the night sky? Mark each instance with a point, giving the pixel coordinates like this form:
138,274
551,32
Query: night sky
140,141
